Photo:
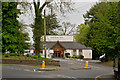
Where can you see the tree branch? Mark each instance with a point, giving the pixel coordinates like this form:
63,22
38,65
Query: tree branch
35,7
43,6
38,5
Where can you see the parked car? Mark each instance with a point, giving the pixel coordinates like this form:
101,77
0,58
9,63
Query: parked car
27,52
42,55
102,58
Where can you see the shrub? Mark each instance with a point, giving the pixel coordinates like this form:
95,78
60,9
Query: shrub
23,55
27,55
35,57
39,56
67,54
12,54
76,57
73,56
18,54
6,55
80,56
3,53
30,55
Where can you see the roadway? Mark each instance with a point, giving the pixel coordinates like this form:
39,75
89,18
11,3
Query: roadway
27,71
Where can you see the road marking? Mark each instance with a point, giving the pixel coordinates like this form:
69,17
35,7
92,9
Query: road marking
63,76
98,77
27,70
70,63
94,67
36,71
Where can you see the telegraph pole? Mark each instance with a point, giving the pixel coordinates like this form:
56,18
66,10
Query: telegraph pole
119,36
45,34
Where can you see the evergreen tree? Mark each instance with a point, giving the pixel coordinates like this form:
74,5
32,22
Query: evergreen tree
24,42
10,27
51,24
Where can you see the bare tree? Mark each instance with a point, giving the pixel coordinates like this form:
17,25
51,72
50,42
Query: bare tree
67,29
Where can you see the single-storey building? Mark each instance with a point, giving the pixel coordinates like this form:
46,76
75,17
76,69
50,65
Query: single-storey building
58,45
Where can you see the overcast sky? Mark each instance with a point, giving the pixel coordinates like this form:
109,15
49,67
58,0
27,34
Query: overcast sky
75,17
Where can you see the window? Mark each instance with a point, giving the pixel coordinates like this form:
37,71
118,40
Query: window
80,51
74,51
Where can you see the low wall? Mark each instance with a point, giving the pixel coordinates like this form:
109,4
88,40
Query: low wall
30,62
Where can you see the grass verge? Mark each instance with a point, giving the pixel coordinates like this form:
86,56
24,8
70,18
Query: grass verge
24,58
25,65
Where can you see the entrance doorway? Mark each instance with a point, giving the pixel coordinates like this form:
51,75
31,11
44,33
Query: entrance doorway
58,50
57,54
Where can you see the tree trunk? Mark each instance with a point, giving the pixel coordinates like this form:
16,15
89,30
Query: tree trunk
107,58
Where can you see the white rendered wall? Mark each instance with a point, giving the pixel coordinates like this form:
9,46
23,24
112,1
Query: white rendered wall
43,52
87,53
31,51
71,52
48,55
68,51
51,51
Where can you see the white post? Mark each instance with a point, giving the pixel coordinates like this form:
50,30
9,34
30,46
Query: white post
44,52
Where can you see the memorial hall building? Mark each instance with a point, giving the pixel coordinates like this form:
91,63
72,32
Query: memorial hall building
58,45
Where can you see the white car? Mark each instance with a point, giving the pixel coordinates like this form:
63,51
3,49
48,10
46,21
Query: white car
27,52
101,58
42,55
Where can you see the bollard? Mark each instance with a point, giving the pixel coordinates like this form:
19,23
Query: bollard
86,64
43,64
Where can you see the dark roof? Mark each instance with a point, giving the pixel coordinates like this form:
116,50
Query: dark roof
68,45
